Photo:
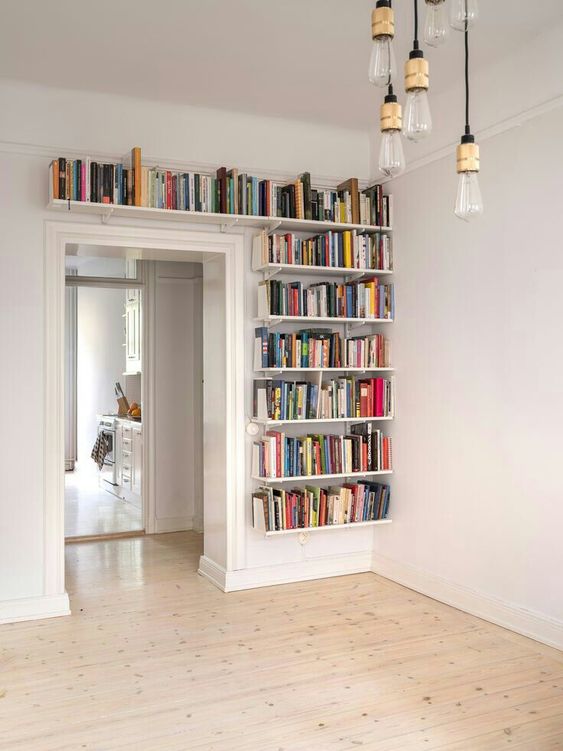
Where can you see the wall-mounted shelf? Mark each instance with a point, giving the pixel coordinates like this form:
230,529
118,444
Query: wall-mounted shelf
272,269
279,371
310,421
275,320
313,478
226,221
349,525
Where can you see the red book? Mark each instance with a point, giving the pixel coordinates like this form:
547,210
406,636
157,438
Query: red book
318,466
379,386
322,509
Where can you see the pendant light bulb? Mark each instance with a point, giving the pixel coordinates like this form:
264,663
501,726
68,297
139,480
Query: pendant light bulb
391,154
382,65
469,204
463,14
418,121
436,27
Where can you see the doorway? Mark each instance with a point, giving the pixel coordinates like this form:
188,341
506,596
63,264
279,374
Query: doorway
221,256
103,395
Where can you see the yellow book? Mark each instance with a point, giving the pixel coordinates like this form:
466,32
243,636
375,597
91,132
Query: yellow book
347,237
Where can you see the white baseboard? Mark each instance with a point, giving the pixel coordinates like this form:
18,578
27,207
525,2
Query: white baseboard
534,625
173,524
34,608
285,573
212,571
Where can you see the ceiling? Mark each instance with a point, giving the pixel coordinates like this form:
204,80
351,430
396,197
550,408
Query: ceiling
304,59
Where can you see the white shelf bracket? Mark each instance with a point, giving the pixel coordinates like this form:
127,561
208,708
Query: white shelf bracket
273,272
273,227
303,538
106,216
228,225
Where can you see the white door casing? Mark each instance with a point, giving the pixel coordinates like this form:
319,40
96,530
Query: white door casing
207,247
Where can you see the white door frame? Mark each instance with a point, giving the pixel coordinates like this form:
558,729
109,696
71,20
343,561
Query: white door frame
231,246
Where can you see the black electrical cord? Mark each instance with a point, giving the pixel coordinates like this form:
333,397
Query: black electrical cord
467,128
415,41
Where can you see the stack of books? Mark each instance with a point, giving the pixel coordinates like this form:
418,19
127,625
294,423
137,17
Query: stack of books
364,298
363,450
129,183
345,397
275,510
343,249
319,348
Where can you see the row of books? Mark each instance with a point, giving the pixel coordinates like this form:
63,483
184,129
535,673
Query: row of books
345,397
364,298
228,191
345,249
319,348
363,450
275,509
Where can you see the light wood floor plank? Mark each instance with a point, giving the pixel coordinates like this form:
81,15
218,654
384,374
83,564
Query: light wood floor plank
154,657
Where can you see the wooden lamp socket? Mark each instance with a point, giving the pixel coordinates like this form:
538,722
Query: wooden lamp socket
467,157
416,73
391,117
382,22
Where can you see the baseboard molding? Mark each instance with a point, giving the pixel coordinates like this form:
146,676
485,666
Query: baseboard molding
525,622
173,524
212,571
285,573
34,608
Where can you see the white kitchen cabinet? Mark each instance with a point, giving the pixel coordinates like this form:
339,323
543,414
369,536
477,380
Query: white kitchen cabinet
137,461
133,331
129,460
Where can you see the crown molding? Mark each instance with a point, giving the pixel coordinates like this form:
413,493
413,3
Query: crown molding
502,126
49,151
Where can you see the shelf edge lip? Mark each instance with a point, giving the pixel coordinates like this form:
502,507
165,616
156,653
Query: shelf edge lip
349,525
262,421
322,370
263,222
320,319
304,478
322,269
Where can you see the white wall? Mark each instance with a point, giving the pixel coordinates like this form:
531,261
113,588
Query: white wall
478,494
37,125
100,361
178,394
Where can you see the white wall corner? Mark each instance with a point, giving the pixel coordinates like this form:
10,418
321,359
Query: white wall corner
34,608
525,622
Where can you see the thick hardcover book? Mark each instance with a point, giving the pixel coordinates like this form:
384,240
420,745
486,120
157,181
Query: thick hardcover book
136,166
222,189
351,185
307,195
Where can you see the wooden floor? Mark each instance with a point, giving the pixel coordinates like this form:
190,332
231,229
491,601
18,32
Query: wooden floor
91,510
154,657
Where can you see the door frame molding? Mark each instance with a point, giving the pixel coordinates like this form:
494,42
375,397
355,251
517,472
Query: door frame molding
154,238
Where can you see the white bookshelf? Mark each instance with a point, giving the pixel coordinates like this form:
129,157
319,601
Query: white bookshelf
312,478
269,223
313,420
276,320
316,375
280,371
274,269
324,527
